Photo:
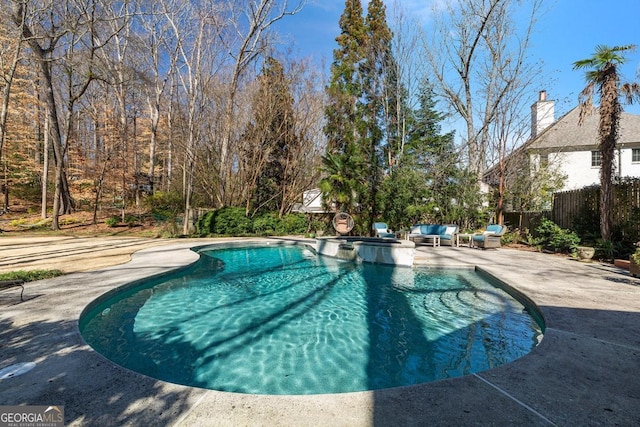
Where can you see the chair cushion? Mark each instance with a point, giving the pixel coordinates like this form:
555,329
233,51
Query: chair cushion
495,228
434,229
429,229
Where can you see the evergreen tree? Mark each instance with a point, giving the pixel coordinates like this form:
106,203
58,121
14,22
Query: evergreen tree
362,99
345,87
422,186
379,79
273,135
343,115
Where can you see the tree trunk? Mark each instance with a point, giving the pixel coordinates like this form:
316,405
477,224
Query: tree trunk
610,110
45,167
62,200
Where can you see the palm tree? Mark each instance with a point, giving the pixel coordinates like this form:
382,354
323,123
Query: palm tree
603,79
341,183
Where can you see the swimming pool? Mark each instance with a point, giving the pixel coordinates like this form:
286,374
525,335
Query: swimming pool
282,320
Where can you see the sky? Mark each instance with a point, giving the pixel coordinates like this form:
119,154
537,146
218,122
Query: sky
568,31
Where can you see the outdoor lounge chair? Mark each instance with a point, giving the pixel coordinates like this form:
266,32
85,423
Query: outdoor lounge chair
381,230
490,238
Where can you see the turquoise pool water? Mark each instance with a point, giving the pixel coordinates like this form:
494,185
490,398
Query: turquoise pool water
281,320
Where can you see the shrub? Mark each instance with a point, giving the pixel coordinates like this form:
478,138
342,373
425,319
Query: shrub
164,206
636,255
112,221
131,220
225,221
510,237
233,221
293,223
605,249
204,224
266,224
556,238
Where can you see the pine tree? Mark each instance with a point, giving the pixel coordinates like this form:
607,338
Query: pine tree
420,188
343,115
273,137
379,80
345,87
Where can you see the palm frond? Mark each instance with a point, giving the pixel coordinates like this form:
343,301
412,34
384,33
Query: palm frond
631,92
585,100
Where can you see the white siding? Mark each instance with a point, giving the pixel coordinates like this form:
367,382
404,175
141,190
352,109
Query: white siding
577,166
627,167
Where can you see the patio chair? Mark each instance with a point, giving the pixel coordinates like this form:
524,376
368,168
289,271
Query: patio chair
381,230
343,223
490,238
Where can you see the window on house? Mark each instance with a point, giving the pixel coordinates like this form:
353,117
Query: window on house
635,155
596,159
544,160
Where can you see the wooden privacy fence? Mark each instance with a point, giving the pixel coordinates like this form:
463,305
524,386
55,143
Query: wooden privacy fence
569,205
522,220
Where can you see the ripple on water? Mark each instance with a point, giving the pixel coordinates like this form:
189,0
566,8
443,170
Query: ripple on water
279,320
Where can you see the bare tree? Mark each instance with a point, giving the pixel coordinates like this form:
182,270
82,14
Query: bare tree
63,38
477,55
8,67
411,73
118,69
300,168
196,66
160,63
250,20
42,47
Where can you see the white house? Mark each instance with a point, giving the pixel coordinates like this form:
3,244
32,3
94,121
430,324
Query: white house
573,148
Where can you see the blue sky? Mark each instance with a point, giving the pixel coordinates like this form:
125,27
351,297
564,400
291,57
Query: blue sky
569,30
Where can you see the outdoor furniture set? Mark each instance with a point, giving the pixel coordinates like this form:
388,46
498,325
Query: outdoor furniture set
437,235
446,235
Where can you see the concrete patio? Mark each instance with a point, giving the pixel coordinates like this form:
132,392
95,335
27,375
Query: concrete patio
585,371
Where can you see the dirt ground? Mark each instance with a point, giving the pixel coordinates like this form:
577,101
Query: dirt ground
28,243
67,253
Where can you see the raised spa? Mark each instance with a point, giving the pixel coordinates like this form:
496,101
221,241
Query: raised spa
282,320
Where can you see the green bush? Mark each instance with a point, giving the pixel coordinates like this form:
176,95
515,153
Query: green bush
204,224
131,220
112,221
227,221
164,206
266,224
510,237
293,223
558,239
605,250
232,221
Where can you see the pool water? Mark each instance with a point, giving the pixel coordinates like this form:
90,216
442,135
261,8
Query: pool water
281,320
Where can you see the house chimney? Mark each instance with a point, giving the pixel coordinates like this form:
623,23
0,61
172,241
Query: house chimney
542,114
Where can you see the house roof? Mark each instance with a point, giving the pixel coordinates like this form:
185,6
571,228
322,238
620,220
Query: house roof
567,134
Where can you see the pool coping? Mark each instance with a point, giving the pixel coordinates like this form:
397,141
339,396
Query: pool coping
583,372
